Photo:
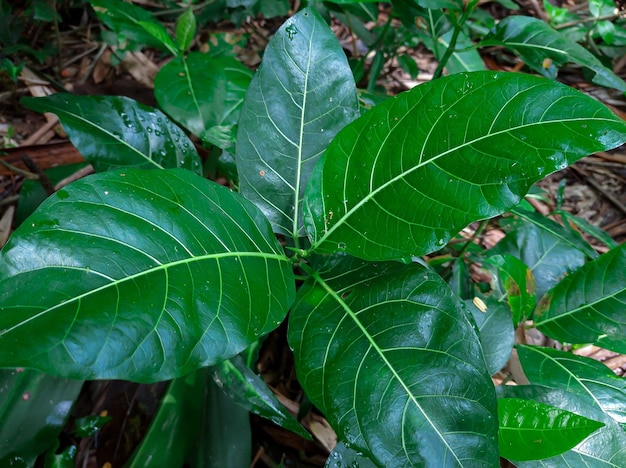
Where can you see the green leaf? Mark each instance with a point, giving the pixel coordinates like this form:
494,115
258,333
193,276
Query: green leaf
565,234
586,377
548,256
588,305
88,426
588,228
185,29
176,424
113,132
387,354
515,283
532,431
247,389
452,151
149,275
135,23
342,456
301,96
535,41
34,407
605,448
201,92
497,334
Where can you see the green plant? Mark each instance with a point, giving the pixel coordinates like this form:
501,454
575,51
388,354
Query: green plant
152,272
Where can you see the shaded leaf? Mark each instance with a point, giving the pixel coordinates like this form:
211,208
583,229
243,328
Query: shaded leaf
531,431
534,41
301,96
497,334
515,283
593,381
176,424
149,275
343,456
588,305
201,92
566,235
135,23
548,256
113,132
430,161
34,408
247,389
605,448
382,349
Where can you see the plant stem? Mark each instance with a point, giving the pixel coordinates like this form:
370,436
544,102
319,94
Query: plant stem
477,233
612,16
458,26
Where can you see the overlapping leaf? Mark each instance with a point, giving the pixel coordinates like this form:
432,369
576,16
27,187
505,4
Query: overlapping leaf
535,41
201,92
455,150
605,448
588,306
532,431
301,96
112,132
140,275
386,352
586,377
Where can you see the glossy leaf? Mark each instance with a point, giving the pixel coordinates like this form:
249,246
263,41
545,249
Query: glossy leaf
34,408
149,275
201,92
135,23
452,151
497,334
549,256
532,431
343,456
113,132
247,389
588,305
302,95
516,284
605,448
387,354
534,40
565,234
176,424
588,378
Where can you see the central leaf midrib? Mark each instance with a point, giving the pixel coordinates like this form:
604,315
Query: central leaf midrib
382,356
403,174
164,266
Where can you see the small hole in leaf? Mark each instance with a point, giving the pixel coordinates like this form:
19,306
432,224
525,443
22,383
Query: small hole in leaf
346,294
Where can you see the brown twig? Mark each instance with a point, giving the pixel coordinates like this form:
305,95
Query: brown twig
43,178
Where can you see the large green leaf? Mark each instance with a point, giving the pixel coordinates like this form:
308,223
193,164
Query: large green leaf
139,275
531,431
387,353
588,306
590,379
449,152
605,448
201,92
132,22
534,40
301,96
112,132
34,407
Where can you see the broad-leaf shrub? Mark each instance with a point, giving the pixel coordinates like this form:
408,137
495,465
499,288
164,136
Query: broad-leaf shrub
147,275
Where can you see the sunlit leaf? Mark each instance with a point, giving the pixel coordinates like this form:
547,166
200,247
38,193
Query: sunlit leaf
455,150
531,431
148,275
388,355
